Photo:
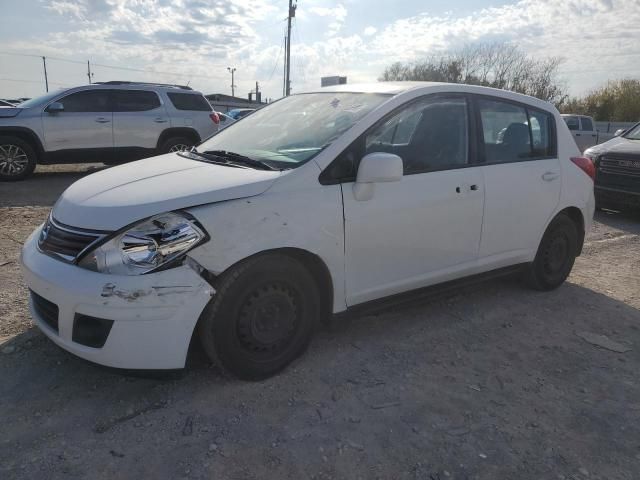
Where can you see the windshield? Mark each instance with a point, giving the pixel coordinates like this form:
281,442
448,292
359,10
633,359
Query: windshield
634,133
39,100
293,130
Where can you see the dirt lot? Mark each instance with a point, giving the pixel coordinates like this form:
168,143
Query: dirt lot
492,382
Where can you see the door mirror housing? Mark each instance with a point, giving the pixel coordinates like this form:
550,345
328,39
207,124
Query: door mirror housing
619,132
375,168
55,107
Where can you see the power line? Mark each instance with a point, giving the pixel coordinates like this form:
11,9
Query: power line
115,67
276,64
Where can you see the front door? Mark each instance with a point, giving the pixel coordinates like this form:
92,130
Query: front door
425,228
522,179
84,130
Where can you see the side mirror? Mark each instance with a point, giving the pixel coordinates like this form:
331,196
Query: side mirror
375,168
619,132
55,107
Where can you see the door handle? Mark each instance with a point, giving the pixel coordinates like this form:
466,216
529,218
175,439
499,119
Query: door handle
160,120
550,176
102,120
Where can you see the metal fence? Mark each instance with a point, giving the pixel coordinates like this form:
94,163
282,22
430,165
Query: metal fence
611,127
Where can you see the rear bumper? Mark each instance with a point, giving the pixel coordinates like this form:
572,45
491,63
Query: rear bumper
153,315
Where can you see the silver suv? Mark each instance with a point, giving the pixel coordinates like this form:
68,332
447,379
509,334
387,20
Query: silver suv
110,122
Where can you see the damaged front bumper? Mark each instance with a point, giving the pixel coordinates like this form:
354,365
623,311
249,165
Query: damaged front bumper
134,322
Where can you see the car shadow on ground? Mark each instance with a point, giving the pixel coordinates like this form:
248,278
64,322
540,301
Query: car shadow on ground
493,369
44,187
626,221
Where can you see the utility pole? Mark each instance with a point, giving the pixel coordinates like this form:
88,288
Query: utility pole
284,73
89,74
232,70
46,80
292,14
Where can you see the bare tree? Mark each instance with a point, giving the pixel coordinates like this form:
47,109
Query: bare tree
497,65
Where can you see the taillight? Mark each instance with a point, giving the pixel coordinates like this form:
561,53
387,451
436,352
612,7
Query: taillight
586,165
215,118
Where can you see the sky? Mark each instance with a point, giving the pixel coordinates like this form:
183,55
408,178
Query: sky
194,41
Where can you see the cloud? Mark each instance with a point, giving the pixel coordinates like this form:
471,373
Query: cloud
370,31
336,15
597,38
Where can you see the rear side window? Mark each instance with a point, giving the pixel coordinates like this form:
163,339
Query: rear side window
134,101
87,101
189,101
513,133
587,124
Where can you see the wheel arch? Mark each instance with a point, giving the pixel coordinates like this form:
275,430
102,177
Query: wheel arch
312,262
27,135
187,132
576,216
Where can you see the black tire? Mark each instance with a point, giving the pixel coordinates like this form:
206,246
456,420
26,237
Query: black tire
555,257
172,144
17,159
262,317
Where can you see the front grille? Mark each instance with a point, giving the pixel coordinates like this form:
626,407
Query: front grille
620,166
619,171
46,310
66,242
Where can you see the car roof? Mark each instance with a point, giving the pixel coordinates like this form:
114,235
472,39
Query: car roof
399,88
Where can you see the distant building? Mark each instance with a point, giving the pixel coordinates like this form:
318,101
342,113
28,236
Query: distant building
330,81
223,103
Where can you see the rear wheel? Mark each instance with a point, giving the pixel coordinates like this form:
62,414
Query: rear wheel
17,159
261,318
556,254
176,144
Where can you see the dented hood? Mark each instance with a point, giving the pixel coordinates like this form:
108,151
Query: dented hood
118,196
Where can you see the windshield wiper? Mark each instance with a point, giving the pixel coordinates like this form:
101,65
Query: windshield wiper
237,158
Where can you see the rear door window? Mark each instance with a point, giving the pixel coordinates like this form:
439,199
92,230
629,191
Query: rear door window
587,124
189,101
513,132
135,101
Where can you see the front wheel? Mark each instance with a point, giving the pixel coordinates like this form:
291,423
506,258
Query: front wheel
17,159
176,144
262,317
555,257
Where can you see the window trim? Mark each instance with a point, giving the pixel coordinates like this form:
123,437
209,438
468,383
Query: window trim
482,159
359,143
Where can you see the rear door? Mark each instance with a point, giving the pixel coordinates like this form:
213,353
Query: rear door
425,228
192,110
588,134
138,120
518,147
84,129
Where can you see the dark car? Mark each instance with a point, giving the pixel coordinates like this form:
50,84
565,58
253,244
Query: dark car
617,164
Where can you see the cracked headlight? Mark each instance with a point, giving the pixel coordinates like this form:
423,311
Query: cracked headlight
150,245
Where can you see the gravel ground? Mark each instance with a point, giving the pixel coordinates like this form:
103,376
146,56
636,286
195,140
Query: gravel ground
492,382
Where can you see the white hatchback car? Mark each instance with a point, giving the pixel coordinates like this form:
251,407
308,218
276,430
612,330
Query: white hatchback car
315,204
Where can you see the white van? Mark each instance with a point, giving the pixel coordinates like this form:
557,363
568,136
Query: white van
314,204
